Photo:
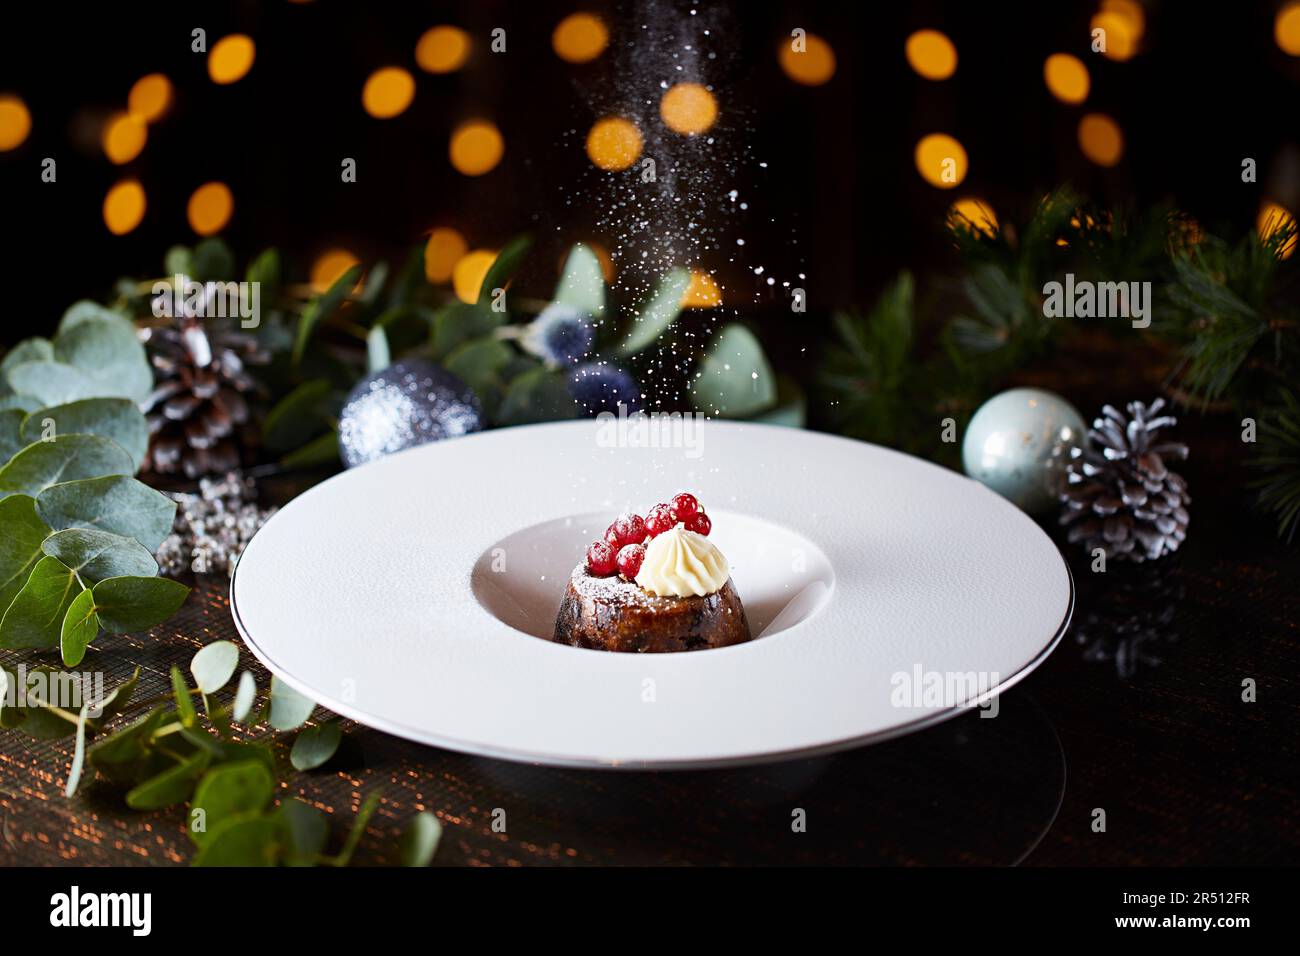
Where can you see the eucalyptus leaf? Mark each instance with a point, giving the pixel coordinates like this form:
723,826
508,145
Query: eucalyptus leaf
658,314
64,458
298,416
214,665
117,699
211,261
129,604
127,744
35,618
364,813
245,694
505,265
28,350
582,284
734,378
53,383
80,626
178,260
96,555
539,395
22,403
78,754
46,685
184,704
306,831
114,503
21,534
245,840
11,432
110,353
118,419
321,308
85,310
458,323
321,450
479,363
420,841
289,709
265,271
378,354
227,791
315,745
169,787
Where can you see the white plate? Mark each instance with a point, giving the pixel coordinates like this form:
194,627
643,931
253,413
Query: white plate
412,595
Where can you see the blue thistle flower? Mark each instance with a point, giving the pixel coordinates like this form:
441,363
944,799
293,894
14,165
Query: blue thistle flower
599,387
561,334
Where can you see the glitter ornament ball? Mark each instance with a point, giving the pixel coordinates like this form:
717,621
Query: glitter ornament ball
404,405
1018,443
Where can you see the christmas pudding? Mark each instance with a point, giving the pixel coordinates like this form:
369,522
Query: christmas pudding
653,585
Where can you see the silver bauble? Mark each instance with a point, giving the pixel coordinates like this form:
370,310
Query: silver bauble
407,404
1018,443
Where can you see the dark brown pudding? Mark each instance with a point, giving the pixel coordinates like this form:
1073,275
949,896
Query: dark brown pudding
612,614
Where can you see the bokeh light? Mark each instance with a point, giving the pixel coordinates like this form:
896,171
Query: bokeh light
149,98
1131,12
15,122
931,54
1273,217
1121,37
388,92
210,208
688,108
941,160
580,38
1286,29
1066,78
702,293
231,58
476,148
443,249
813,66
975,215
124,138
1100,139
614,143
467,275
124,207
329,266
442,49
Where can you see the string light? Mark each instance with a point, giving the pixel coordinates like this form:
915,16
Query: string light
442,49
1286,29
1066,78
124,138
15,123
941,160
1272,218
1100,139
150,97
124,207
975,215
444,248
476,148
614,143
931,54
210,208
231,58
388,92
811,66
688,108
580,38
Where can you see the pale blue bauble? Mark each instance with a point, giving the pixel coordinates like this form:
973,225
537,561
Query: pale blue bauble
1018,444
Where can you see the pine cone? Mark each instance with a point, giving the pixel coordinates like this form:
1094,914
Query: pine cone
1119,495
198,411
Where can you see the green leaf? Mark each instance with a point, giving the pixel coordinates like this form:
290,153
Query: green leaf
366,811
115,503
214,665
78,753
21,403
378,355
315,745
28,350
503,267
53,383
305,831
734,378
458,323
321,450
117,699
583,283
118,419
96,555
212,261
80,627
109,352
321,308
21,535
538,395
420,841
227,791
65,458
184,704
11,432
245,693
178,260
298,416
44,685
85,310
129,604
479,363
171,786
289,709
265,270
35,618
245,840
126,745
658,314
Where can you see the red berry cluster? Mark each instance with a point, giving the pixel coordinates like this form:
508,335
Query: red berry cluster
623,547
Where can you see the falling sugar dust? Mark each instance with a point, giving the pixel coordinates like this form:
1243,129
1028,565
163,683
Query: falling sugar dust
673,179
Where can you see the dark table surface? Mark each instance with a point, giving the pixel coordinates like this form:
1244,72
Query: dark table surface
1139,713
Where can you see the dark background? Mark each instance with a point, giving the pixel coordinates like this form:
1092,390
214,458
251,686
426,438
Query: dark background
840,198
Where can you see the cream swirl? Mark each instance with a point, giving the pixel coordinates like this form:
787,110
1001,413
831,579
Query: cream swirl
681,563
